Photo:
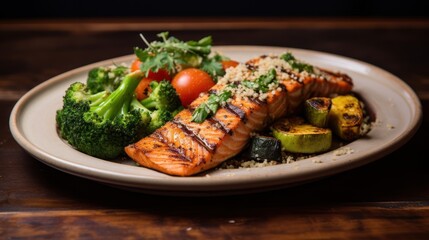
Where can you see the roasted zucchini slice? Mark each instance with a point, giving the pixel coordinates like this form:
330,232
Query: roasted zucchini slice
317,111
265,148
346,117
297,136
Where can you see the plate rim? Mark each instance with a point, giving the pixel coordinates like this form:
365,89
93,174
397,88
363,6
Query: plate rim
188,184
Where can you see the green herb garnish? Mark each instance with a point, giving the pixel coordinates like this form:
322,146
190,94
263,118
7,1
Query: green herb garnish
295,64
173,54
262,83
210,107
213,65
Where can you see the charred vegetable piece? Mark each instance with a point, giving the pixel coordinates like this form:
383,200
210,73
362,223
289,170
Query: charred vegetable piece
262,148
346,117
317,111
297,136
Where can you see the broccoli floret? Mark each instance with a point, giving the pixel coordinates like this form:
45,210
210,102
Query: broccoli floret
102,124
105,78
163,96
158,117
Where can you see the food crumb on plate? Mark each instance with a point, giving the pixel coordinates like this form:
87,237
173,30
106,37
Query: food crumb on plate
343,151
317,160
246,163
376,123
253,163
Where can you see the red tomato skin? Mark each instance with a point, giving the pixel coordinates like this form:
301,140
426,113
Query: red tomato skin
143,89
190,82
162,74
135,65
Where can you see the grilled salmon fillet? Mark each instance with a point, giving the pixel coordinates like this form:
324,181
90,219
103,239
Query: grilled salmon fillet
183,147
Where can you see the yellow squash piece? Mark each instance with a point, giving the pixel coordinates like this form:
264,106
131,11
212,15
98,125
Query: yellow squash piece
346,117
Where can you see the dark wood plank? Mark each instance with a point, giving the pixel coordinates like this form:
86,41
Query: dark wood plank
383,221
209,23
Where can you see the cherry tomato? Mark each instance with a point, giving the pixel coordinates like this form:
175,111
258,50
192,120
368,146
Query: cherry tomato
190,82
143,89
162,74
135,65
229,63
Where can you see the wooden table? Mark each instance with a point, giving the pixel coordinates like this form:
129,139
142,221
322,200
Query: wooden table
387,199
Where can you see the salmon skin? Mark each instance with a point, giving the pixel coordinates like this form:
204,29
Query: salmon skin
183,147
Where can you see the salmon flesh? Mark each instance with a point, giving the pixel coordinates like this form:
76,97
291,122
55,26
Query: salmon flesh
184,148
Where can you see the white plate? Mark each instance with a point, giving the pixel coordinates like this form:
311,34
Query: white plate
32,124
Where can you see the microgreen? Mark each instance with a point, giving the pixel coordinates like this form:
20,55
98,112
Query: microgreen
173,54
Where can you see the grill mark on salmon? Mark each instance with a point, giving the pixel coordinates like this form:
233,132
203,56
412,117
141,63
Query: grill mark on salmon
257,101
250,66
209,130
216,121
219,125
184,148
236,110
179,151
343,76
210,147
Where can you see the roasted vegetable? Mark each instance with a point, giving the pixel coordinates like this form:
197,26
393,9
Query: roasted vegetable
317,111
265,148
297,136
346,117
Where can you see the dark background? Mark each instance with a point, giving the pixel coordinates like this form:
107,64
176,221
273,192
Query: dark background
187,8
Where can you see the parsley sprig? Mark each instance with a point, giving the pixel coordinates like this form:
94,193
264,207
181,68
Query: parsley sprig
261,84
210,107
173,54
295,64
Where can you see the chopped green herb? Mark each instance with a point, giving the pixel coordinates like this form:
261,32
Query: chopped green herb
210,107
288,57
262,83
213,66
295,64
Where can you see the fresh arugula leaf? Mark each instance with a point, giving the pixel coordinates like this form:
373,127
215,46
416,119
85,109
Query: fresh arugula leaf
153,63
172,54
213,67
